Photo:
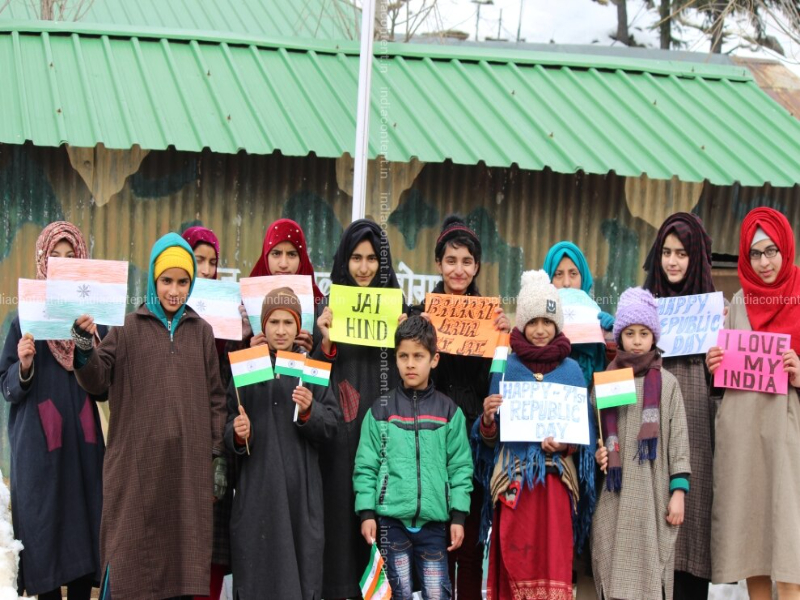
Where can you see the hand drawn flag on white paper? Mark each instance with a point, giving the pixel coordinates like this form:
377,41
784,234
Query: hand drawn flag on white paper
581,325
33,317
255,288
218,303
85,286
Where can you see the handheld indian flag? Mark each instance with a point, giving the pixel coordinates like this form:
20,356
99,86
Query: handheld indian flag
614,388
501,354
86,286
289,363
251,366
316,371
374,585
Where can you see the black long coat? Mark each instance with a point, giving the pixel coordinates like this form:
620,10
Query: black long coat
277,532
56,470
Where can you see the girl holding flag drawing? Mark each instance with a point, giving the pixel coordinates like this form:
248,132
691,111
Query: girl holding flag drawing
285,252
161,371
646,458
277,532
679,264
539,495
755,532
56,450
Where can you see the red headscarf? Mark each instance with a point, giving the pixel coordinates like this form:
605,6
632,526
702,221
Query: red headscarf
202,235
770,306
51,235
286,230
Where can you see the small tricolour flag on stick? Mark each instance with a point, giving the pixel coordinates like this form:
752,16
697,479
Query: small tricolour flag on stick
316,371
614,388
250,366
289,363
374,585
501,354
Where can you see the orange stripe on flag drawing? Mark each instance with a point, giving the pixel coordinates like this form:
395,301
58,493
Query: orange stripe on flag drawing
86,269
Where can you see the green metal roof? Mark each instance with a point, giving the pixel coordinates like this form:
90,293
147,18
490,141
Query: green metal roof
82,86
324,19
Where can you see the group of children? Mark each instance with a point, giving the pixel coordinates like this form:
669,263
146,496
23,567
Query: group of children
404,448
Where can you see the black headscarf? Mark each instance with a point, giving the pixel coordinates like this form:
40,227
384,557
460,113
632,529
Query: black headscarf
455,230
356,232
690,231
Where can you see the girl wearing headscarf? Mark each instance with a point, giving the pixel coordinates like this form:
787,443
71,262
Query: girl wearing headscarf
465,380
285,252
360,375
205,245
679,264
567,267
56,450
755,532
161,371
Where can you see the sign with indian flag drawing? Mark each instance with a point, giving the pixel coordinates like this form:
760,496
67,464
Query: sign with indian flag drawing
254,289
581,325
464,324
374,584
536,410
218,303
252,365
614,388
78,286
33,316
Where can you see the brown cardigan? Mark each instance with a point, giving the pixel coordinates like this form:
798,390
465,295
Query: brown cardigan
167,419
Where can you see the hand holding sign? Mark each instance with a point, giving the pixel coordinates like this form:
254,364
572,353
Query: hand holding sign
490,407
791,364
26,350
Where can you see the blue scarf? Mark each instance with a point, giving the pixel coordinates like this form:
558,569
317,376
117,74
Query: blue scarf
151,299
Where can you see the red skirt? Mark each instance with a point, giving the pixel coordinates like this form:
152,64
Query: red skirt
530,555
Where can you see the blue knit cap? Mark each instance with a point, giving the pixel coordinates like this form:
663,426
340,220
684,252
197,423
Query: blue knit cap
570,250
637,306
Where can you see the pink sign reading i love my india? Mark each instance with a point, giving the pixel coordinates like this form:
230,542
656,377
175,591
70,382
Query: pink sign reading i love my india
752,361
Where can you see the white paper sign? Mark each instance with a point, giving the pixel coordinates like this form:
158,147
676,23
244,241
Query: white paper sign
534,411
689,324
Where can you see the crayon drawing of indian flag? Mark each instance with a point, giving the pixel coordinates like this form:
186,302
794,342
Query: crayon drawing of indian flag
84,286
33,317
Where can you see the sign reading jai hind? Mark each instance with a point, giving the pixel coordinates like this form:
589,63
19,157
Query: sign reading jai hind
464,324
365,316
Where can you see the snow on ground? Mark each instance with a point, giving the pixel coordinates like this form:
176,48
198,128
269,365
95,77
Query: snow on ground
9,547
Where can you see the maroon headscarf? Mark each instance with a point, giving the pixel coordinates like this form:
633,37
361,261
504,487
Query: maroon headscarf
286,230
771,307
202,235
690,231
51,235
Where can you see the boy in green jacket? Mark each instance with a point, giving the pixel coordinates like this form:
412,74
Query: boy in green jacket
413,470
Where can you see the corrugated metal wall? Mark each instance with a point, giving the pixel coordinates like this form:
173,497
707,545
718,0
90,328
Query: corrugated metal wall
518,214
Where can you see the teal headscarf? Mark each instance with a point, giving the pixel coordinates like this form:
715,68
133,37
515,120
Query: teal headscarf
590,357
570,250
151,300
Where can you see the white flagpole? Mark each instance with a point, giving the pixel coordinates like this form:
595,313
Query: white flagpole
362,119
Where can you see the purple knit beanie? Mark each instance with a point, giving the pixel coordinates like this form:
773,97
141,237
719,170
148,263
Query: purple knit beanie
637,306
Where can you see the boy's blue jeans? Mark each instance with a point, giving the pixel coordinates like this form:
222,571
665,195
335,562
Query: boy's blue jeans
425,552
